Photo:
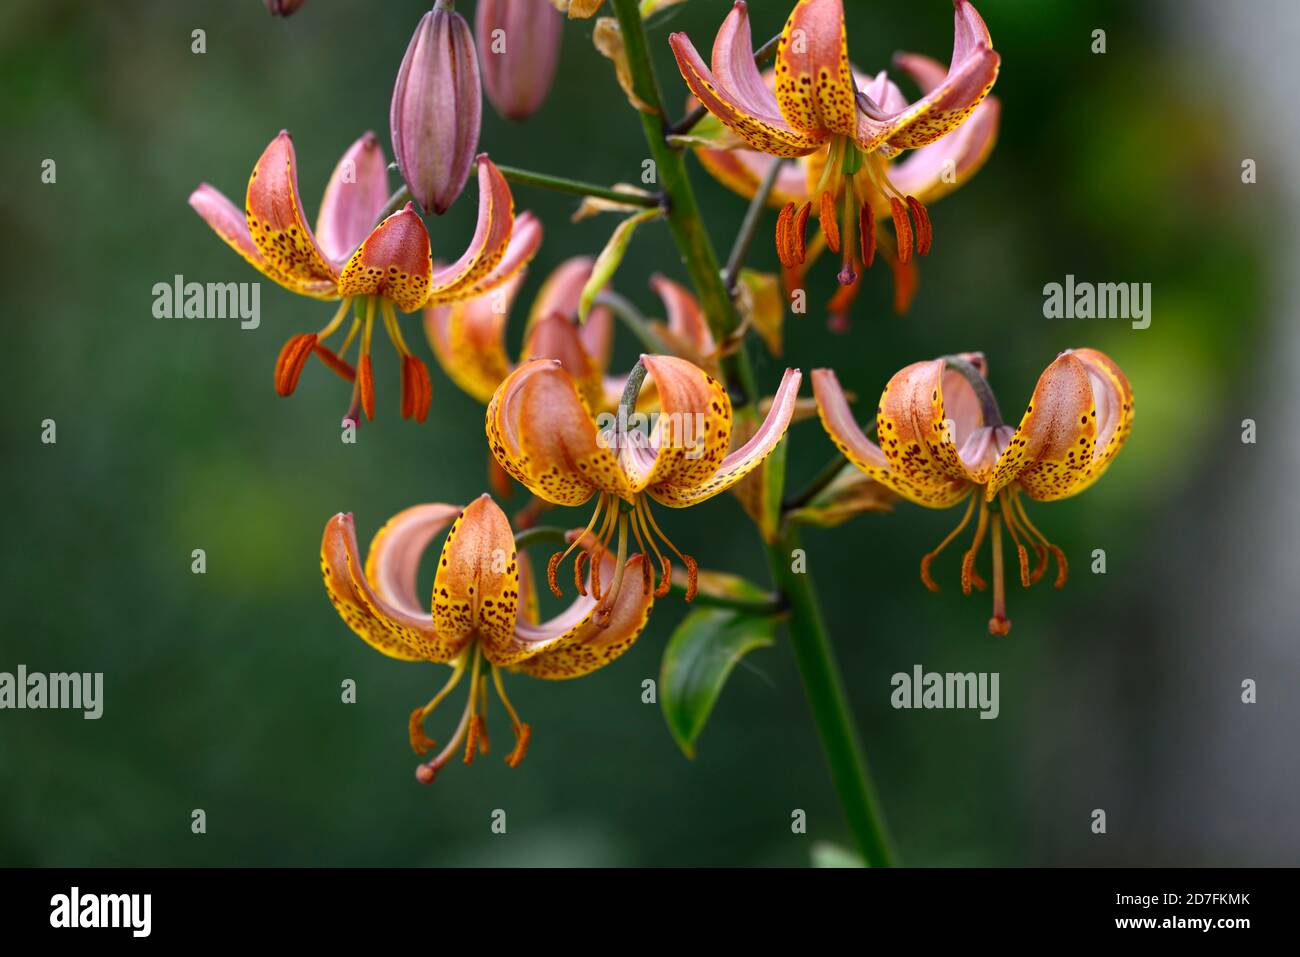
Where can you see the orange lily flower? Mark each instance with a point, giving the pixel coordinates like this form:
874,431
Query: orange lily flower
475,623
926,174
942,440
817,104
381,269
541,431
469,338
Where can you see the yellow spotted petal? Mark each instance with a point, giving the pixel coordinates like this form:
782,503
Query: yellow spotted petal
393,262
278,227
578,640
814,84
734,91
476,587
691,431
378,602
742,461
542,434
1080,414
919,483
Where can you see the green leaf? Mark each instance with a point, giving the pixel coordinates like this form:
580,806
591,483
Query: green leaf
825,854
698,660
608,261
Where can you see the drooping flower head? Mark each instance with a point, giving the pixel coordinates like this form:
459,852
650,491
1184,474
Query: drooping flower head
483,615
378,270
542,433
926,174
816,104
942,440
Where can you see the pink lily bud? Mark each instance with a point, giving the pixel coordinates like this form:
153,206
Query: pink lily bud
437,109
283,8
519,49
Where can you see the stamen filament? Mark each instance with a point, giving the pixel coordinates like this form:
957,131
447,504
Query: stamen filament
1062,567
475,722
606,609
692,569
928,558
968,573
337,321
523,732
420,743
1021,553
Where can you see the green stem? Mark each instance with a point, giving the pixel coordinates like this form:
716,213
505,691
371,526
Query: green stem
825,691
829,473
808,636
631,317
749,226
988,401
575,187
684,219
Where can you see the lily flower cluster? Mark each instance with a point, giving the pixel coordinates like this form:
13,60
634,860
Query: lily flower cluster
939,436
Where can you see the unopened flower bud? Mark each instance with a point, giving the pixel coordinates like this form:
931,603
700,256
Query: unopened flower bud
437,109
519,49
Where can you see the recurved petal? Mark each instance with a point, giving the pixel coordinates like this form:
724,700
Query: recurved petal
542,433
229,222
814,84
386,615
277,224
934,171
970,76
688,438
1080,414
476,587
919,432
741,101
525,241
393,262
573,643
468,339
922,486
354,197
467,277
739,463
686,320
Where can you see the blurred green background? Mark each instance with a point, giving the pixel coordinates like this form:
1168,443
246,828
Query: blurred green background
222,691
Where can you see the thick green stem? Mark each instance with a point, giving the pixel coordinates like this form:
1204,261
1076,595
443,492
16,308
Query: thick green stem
560,184
684,218
825,691
812,647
